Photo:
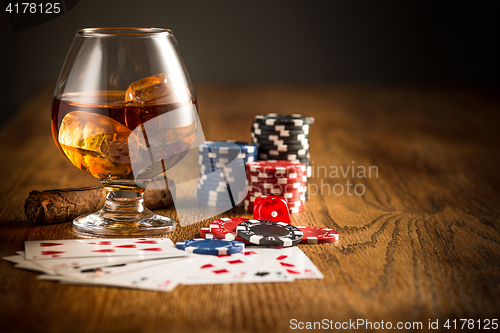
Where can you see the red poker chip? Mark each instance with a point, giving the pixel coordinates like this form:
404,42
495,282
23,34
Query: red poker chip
278,188
315,235
283,180
225,228
251,197
286,195
256,189
290,202
275,166
277,174
205,233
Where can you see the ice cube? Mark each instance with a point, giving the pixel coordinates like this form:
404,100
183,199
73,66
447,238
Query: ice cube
97,144
157,89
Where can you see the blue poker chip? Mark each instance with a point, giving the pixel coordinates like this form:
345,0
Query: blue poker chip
211,246
208,203
223,147
225,160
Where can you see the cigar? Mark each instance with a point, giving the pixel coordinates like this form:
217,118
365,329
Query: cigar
62,205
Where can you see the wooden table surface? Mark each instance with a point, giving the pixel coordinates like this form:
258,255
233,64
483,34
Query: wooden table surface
422,243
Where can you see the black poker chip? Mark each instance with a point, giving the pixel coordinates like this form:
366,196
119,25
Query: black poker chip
285,157
269,140
270,233
272,119
282,133
283,148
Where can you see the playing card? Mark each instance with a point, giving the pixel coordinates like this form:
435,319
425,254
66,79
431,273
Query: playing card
81,248
296,264
25,264
95,275
63,265
155,264
239,267
163,276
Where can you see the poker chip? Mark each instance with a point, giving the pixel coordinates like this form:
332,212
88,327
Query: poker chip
299,195
277,187
281,178
213,195
283,133
277,138
223,201
231,171
215,203
223,147
278,180
225,228
289,199
282,145
293,188
283,138
211,246
269,233
201,187
263,176
284,151
274,166
220,185
272,119
205,233
315,235
226,223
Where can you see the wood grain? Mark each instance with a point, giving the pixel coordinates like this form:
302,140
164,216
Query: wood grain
422,243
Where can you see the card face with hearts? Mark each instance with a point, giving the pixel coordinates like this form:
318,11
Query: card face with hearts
156,264
67,265
164,278
97,275
165,275
296,264
81,248
242,267
227,268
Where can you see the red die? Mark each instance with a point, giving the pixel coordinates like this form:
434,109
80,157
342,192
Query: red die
271,208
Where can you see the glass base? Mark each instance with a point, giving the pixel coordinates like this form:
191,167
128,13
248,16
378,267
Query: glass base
149,224
123,215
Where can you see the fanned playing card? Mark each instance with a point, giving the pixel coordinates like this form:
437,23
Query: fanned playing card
81,248
156,264
296,264
246,267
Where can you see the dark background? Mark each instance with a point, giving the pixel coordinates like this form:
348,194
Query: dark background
284,42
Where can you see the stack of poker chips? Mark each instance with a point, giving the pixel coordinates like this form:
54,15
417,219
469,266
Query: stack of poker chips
227,228
281,178
283,138
220,172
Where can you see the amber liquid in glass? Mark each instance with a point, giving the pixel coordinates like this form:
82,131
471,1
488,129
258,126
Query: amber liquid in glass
111,139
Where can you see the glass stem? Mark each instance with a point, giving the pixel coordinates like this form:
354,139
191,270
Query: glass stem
123,203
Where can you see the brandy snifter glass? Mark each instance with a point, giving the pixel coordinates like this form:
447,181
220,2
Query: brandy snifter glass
124,111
